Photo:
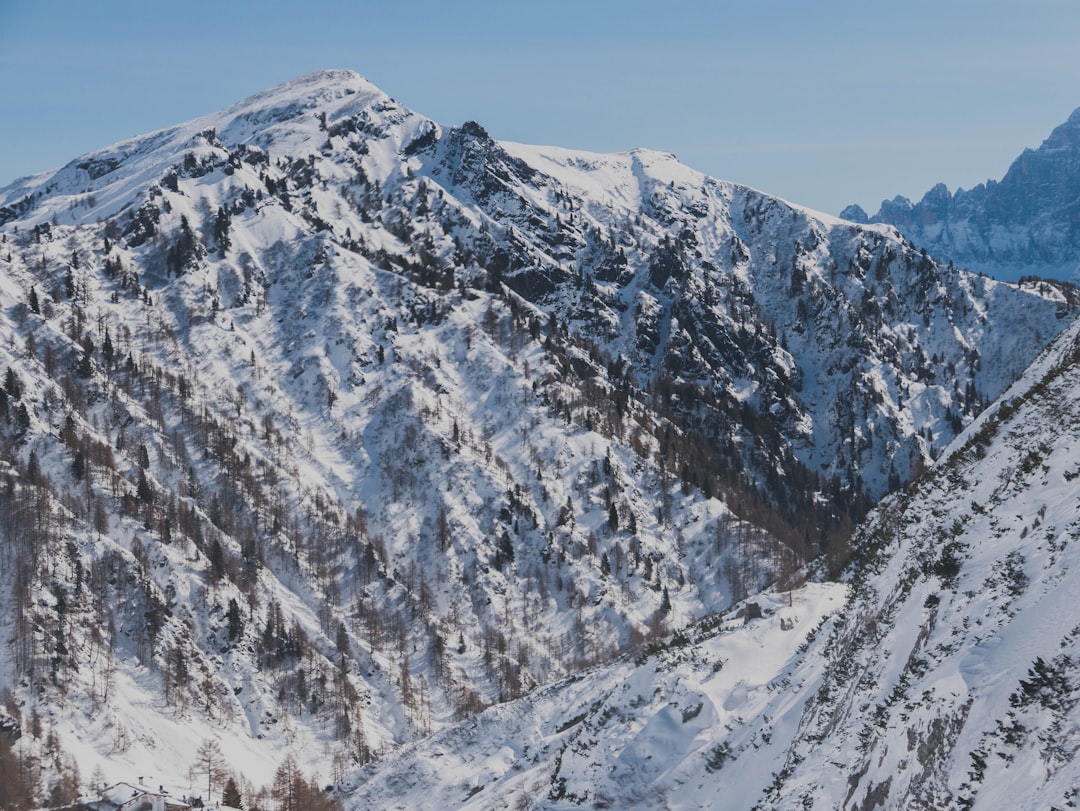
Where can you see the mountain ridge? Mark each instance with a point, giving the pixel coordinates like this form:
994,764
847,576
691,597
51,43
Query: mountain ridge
326,425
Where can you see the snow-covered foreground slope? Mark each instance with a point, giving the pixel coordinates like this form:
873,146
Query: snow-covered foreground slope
698,722
953,682
323,427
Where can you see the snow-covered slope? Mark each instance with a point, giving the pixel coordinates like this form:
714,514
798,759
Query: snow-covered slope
946,679
696,723
327,426
1024,224
953,681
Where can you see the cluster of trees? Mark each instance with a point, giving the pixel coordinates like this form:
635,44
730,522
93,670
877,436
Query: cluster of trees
121,467
290,789
35,770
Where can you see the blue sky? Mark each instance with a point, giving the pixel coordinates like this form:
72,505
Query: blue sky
824,103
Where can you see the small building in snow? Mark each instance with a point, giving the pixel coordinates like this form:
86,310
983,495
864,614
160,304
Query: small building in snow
130,797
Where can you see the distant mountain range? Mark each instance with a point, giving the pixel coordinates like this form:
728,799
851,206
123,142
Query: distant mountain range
324,427
1028,223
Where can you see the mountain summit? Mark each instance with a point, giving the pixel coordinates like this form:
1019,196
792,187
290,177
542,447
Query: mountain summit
1028,223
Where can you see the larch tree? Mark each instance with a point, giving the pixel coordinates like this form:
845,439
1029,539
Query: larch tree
209,761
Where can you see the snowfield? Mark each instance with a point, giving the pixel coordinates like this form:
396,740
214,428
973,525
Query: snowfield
695,724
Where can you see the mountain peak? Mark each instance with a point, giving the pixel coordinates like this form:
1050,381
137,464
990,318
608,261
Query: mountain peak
279,117
309,90
1064,137
315,84
1030,214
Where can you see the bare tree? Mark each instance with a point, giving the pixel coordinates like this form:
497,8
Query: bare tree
209,761
288,787
291,791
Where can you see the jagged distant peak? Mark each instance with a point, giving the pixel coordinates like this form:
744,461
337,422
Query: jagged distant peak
1072,121
1020,225
1065,136
856,214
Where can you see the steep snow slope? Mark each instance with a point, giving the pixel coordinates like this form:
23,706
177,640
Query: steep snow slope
953,681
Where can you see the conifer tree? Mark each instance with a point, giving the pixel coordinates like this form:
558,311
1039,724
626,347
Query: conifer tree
107,350
12,385
230,795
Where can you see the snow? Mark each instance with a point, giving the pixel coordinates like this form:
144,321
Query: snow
629,734
342,409
963,646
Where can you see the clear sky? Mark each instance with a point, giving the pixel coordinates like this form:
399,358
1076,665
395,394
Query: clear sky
823,102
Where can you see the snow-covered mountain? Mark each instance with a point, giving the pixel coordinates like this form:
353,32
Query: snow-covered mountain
323,426
795,329
942,675
1028,223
